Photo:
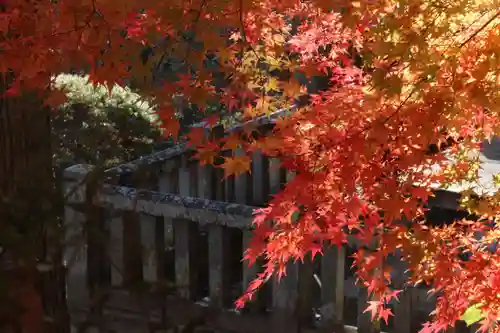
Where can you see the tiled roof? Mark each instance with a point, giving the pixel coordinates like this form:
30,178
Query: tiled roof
489,158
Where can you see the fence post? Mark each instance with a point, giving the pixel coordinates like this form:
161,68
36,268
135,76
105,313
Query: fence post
285,296
185,238
228,184
205,173
148,247
285,291
217,244
332,283
258,181
116,250
167,183
365,324
305,280
217,265
184,177
250,274
240,183
402,307
274,175
305,283
75,250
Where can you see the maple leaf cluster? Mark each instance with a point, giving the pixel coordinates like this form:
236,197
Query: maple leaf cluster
403,75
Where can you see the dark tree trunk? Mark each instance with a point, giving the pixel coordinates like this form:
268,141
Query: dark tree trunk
31,271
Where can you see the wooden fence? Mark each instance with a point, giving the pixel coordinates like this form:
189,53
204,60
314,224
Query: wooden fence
167,218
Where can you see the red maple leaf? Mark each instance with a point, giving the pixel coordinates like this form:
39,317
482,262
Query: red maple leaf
229,100
384,313
184,82
212,120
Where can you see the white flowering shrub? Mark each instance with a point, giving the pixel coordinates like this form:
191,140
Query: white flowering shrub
101,128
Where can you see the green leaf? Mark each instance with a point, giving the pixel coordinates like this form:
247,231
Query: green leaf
296,216
472,315
496,179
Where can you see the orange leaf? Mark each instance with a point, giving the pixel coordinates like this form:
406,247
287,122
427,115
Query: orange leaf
292,88
236,165
206,154
231,142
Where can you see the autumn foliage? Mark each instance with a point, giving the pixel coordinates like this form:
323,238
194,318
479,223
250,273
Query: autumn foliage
403,75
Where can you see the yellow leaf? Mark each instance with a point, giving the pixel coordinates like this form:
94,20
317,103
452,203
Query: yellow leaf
252,112
272,84
236,165
292,89
273,63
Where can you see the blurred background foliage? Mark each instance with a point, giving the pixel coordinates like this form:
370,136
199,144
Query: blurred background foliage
101,128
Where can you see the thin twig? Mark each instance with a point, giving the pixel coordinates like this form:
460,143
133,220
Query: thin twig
471,37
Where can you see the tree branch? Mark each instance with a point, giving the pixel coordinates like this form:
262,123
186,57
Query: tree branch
471,37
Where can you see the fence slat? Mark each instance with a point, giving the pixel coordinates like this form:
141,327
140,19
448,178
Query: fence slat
333,282
402,308
258,174
185,236
217,269
148,242
132,248
160,234
240,183
285,295
184,177
219,184
228,183
250,274
274,175
168,183
205,177
217,244
75,250
193,169
116,250
305,291
293,292
168,179
365,323
75,256
97,261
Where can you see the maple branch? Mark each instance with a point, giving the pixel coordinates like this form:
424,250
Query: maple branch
396,112
243,32
86,24
399,108
242,26
471,37
194,27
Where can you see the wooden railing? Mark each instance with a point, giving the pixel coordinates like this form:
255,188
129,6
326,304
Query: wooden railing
165,217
